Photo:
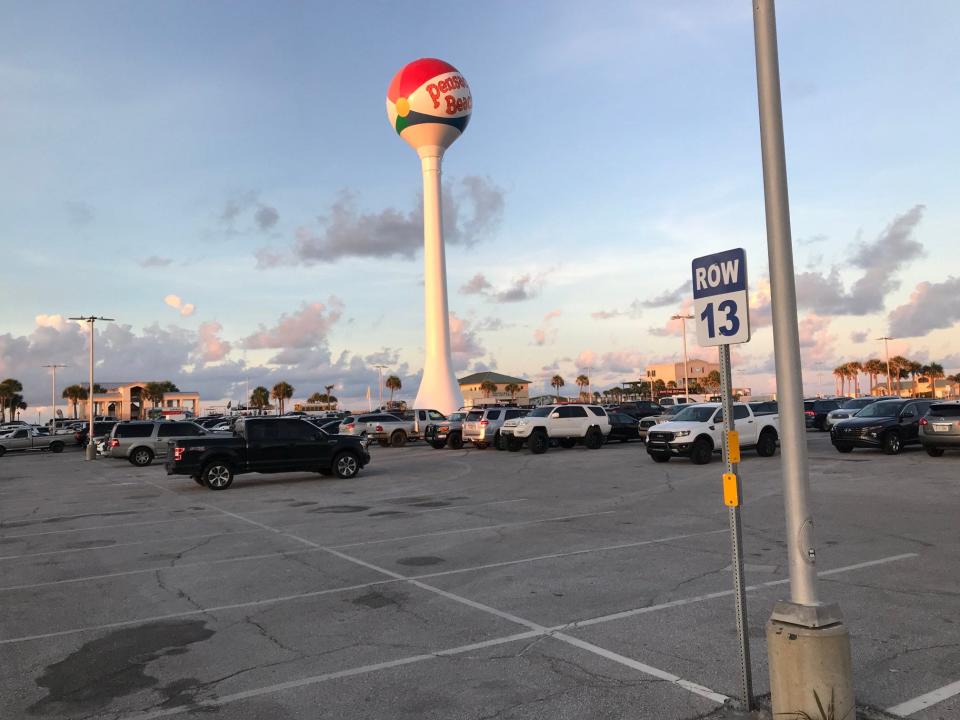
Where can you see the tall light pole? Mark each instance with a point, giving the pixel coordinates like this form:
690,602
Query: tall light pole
380,369
53,395
686,373
329,389
886,349
90,320
807,643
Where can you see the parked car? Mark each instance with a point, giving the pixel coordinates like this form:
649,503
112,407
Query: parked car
210,421
639,409
815,411
764,407
648,422
395,431
140,441
623,427
674,400
27,438
484,430
696,432
569,424
361,425
100,428
940,428
850,408
328,425
265,445
887,424
449,432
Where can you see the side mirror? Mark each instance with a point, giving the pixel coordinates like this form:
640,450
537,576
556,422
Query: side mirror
555,414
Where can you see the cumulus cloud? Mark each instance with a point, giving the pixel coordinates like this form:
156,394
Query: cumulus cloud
931,306
236,218
668,297
520,288
472,209
174,301
824,292
816,342
308,327
547,332
477,285
464,343
210,346
266,217
155,261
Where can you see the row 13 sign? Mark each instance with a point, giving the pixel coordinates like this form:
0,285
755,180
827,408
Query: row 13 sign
720,298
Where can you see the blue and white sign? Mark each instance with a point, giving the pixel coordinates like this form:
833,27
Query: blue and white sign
721,299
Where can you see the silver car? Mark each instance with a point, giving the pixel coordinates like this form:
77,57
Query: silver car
849,409
141,441
940,428
484,429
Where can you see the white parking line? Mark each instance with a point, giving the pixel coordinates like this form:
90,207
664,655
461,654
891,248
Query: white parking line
920,702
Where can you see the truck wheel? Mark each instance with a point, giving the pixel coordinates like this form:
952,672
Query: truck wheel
218,475
702,451
767,444
141,457
539,443
398,439
501,442
437,445
593,439
567,443
2,450
892,444
56,447
934,451
660,457
456,441
345,465
844,447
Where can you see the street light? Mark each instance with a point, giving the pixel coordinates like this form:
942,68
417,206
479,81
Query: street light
90,320
886,348
53,396
686,373
380,369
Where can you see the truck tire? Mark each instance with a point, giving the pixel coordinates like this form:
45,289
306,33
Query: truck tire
934,451
593,439
218,475
398,439
438,445
2,450
539,443
141,457
767,444
346,465
56,447
702,451
567,443
892,444
660,457
456,440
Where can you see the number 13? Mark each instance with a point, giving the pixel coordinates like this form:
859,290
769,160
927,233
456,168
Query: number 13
732,322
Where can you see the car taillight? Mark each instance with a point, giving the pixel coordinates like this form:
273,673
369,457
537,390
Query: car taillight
923,421
114,442
178,453
379,428
809,412
348,427
484,422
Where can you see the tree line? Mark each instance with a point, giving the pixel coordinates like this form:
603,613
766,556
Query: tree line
900,369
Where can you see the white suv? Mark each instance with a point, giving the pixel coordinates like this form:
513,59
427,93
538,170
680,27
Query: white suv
566,423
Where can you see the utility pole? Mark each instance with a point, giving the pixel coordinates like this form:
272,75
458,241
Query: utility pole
53,396
380,369
686,373
329,388
886,348
807,644
90,320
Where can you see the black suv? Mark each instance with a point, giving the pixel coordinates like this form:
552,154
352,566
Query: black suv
639,409
815,411
887,424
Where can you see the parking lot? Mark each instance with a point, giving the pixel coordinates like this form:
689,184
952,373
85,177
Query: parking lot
458,584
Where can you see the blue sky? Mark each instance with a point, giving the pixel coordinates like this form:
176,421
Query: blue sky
154,149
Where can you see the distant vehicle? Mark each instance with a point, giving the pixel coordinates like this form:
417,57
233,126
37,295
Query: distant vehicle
100,428
815,411
648,422
850,408
640,409
764,407
674,400
361,425
141,441
697,432
887,424
485,430
449,432
27,438
208,421
395,431
265,445
623,427
569,424
170,413
940,428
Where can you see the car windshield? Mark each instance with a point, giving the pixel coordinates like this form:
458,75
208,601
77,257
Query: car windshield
857,403
673,410
457,416
541,412
695,413
881,409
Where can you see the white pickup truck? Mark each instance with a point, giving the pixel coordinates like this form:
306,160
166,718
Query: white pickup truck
27,438
567,423
697,432
395,431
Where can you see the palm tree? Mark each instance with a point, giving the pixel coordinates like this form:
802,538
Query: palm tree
392,383
315,398
873,367
933,372
9,390
557,382
513,389
282,391
74,394
839,379
330,398
582,381
955,379
153,393
712,381
259,397
898,368
488,387
854,367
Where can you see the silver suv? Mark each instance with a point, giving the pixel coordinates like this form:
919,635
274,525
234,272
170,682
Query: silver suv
484,430
141,441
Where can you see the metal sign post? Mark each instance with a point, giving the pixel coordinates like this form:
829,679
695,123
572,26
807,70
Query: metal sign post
722,312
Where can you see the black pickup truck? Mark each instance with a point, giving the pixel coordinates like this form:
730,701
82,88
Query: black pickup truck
265,445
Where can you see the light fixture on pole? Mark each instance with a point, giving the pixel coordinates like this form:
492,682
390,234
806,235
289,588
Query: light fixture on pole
886,349
686,373
90,320
53,395
380,369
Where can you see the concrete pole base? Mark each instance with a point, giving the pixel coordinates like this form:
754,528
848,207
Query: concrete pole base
810,671
91,452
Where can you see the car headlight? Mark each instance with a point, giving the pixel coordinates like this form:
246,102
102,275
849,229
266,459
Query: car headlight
681,433
521,422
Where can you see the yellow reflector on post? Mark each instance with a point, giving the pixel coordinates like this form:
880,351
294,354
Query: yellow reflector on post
733,443
731,494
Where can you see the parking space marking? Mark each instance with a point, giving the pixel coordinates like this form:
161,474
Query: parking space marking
108,527
920,702
279,554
